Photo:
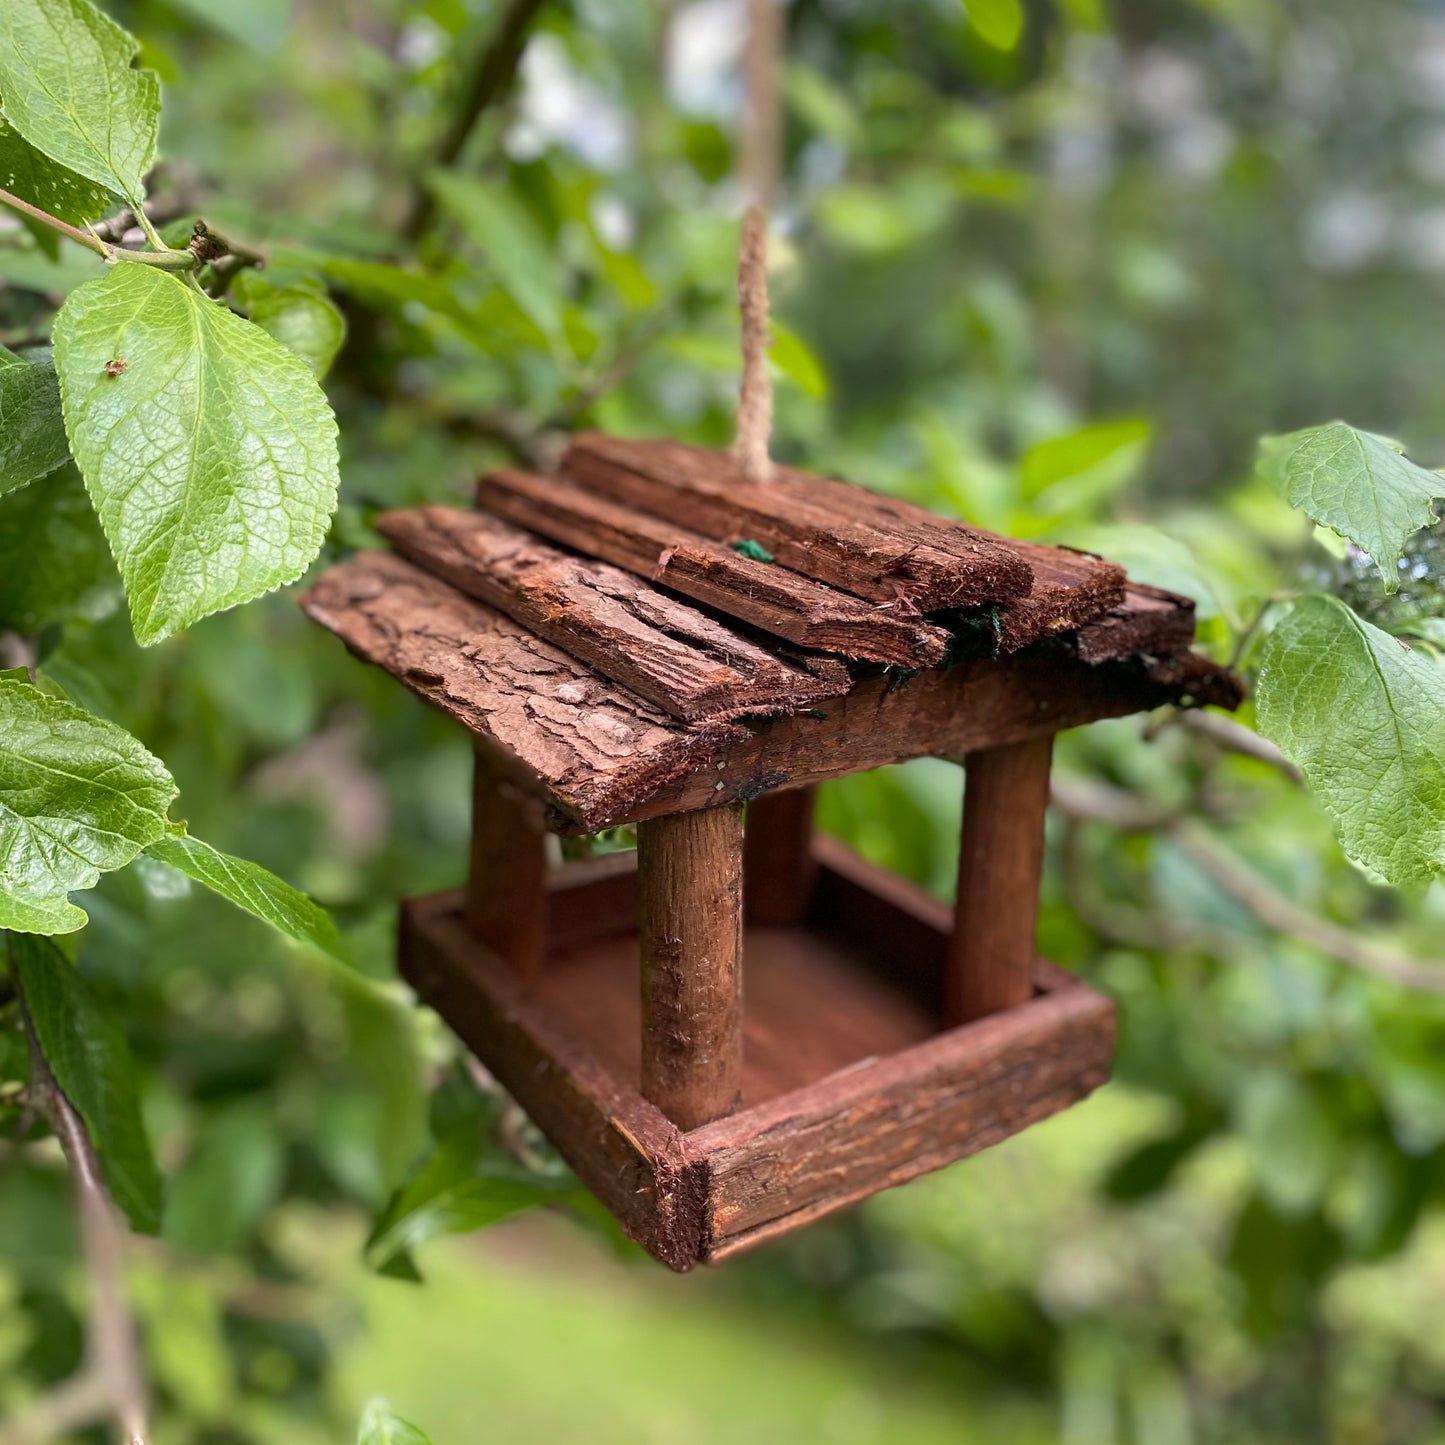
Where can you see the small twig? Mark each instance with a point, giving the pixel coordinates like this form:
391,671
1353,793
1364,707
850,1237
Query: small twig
87,239
1079,800
1234,737
111,1386
490,81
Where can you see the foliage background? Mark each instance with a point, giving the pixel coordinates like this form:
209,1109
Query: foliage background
1058,291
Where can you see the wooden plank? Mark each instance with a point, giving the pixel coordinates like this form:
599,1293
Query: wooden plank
1070,590
591,898
1149,620
973,705
674,556
690,920
826,530
779,869
663,650
807,1153
622,1148
603,756
1001,860
591,747
506,897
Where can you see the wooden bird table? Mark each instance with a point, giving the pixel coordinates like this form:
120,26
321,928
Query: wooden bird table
742,1025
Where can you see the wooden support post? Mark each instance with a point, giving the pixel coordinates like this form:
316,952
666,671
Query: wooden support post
506,898
991,953
778,866
690,902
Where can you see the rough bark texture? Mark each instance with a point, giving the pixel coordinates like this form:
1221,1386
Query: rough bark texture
663,650
690,910
821,529
591,747
672,555
1000,863
1149,620
1070,589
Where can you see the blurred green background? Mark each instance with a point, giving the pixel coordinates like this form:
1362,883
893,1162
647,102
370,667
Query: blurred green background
1059,290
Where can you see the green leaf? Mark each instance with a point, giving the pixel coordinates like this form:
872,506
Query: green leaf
999,22
211,457
54,564
1359,484
34,177
32,429
300,317
519,254
92,1063
231,1179
381,1425
254,888
68,86
1152,557
78,797
1080,470
454,1192
1364,718
796,360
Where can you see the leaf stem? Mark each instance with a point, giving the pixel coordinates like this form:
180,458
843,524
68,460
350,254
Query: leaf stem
92,243
165,258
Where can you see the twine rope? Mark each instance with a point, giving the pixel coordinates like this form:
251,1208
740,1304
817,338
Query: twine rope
761,149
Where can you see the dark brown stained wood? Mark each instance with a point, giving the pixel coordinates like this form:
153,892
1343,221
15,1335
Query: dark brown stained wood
767,596
807,1153
602,756
663,650
779,869
591,747
974,705
1070,589
904,929
1149,620
690,923
826,530
506,891
1001,860
591,898
846,1091
622,1148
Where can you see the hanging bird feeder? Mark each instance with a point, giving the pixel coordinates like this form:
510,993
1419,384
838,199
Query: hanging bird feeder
742,1025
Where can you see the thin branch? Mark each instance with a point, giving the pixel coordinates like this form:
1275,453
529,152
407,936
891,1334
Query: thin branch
82,238
1085,800
111,1386
1234,737
490,81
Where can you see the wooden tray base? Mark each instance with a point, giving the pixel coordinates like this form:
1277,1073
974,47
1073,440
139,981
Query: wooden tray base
851,1082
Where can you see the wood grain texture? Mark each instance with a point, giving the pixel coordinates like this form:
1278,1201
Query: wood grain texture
973,705
674,556
779,869
622,1148
1149,620
1070,590
826,530
589,745
506,894
1001,860
810,1152
690,916
666,652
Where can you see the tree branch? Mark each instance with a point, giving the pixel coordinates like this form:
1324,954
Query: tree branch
111,1386
1234,737
490,81
1086,800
